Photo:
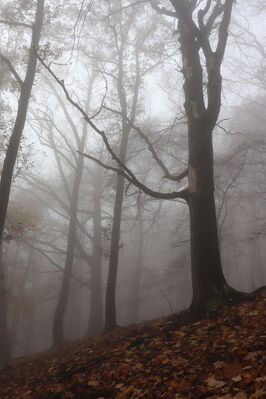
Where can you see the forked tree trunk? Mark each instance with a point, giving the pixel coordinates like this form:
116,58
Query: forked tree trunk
202,114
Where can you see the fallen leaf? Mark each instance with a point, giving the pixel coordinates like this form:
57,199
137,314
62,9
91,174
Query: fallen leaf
128,389
219,364
237,379
213,383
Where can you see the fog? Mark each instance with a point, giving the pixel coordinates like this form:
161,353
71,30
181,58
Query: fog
72,212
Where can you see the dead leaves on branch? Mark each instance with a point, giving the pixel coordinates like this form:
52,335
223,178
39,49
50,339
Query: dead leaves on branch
223,357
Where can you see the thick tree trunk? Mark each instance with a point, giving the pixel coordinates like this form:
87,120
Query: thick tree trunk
202,110
96,309
12,150
207,275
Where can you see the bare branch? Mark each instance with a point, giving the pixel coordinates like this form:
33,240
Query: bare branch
165,170
162,10
217,10
123,170
15,23
127,6
52,262
12,69
172,195
223,31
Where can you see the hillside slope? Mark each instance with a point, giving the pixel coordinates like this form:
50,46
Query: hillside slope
220,357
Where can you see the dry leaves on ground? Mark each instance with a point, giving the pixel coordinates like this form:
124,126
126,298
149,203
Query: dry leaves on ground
220,357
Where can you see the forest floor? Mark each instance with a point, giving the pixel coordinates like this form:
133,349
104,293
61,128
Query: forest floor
219,357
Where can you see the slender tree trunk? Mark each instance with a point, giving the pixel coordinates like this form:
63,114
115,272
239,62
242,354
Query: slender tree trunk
12,150
17,314
137,276
58,335
96,309
30,335
5,350
110,302
14,142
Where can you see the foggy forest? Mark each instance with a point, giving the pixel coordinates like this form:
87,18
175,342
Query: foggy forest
133,172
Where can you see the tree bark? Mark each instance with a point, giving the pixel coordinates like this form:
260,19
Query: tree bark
206,269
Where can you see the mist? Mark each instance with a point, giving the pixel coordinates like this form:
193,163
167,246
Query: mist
97,230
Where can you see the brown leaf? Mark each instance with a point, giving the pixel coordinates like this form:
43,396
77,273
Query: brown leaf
213,383
219,365
237,379
232,370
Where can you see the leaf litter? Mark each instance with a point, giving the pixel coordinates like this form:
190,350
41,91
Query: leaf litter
219,357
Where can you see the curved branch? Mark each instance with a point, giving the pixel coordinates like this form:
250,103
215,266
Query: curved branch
162,10
155,194
165,170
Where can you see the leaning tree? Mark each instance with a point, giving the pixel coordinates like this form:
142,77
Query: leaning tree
25,87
